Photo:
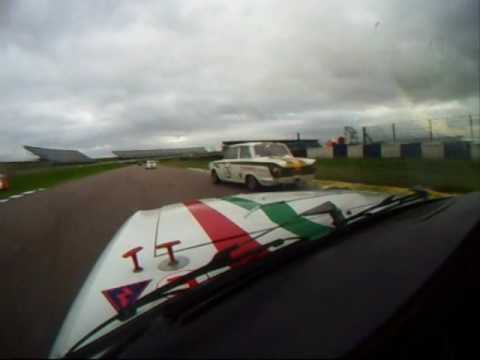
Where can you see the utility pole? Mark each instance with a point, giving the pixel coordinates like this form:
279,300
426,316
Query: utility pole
471,126
366,138
394,136
431,131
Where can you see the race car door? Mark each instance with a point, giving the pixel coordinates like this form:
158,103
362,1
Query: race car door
231,154
236,167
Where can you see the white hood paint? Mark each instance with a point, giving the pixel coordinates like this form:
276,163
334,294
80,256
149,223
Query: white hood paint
176,222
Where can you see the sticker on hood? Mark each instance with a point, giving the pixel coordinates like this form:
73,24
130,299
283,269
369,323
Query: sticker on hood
124,296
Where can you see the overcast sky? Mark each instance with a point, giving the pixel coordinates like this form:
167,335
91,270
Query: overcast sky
102,75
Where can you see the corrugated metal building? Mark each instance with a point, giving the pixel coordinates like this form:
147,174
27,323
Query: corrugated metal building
160,153
59,156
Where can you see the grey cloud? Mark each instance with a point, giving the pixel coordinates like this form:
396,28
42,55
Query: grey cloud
98,75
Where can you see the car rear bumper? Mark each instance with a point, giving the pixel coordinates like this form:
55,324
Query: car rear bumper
285,180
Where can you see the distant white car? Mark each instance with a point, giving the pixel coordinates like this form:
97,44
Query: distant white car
260,163
150,164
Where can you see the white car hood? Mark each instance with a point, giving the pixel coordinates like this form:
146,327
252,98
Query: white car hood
193,223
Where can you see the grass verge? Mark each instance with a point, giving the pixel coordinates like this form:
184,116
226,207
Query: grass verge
449,176
394,190
446,176
51,176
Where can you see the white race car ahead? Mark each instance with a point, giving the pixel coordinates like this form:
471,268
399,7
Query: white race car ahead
261,163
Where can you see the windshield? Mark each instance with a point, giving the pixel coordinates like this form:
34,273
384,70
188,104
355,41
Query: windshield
271,150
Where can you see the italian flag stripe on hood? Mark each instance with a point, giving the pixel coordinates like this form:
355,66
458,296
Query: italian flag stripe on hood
285,216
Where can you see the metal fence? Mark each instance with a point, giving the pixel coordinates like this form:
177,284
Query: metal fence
447,129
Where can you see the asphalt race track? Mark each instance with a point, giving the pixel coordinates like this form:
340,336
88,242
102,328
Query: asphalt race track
50,240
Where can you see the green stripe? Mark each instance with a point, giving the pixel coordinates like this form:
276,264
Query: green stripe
244,203
283,215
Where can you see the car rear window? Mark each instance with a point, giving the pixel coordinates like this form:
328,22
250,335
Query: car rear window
245,152
271,150
230,153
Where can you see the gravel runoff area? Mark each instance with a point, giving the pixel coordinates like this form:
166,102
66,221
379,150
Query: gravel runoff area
50,240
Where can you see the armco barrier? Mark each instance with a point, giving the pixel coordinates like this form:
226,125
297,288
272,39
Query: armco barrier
411,151
372,151
314,152
322,153
340,151
457,150
390,151
433,151
355,151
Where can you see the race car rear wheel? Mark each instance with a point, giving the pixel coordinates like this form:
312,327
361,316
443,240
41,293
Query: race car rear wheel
252,183
215,178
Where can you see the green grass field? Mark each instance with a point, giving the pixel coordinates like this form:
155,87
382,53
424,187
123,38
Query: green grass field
50,176
440,175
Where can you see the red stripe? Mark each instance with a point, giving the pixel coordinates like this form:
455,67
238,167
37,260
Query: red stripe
219,228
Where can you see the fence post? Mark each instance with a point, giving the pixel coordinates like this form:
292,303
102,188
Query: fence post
366,137
393,133
431,131
471,126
